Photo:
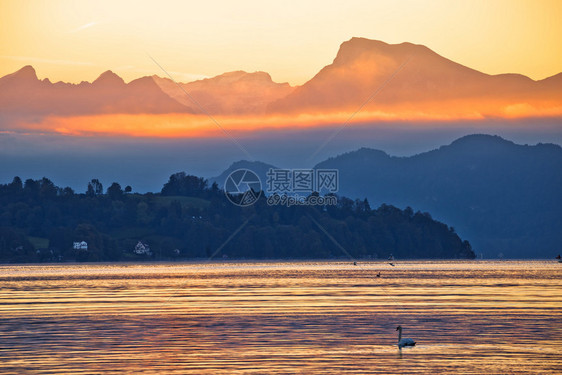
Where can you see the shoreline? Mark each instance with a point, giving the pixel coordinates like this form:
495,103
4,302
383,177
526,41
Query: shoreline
267,261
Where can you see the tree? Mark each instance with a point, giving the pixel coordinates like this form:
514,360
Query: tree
15,247
184,184
16,186
31,188
215,188
60,240
112,227
47,189
95,187
114,191
67,192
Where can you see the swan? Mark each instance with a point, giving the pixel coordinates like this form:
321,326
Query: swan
403,342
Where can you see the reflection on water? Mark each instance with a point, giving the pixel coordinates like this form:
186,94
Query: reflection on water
278,318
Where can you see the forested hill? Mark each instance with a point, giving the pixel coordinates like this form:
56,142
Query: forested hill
40,222
506,198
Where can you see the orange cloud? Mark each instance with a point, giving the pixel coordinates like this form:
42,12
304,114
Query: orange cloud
201,126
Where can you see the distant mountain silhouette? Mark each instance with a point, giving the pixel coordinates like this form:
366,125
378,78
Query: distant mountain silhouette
257,167
503,197
233,92
24,94
423,85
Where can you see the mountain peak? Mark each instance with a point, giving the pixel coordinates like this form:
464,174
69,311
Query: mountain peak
109,78
248,164
258,167
239,76
357,47
26,73
473,139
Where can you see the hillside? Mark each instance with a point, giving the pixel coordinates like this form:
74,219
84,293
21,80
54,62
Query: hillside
504,197
414,81
195,225
257,167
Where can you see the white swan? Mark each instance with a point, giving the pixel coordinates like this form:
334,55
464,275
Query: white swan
403,342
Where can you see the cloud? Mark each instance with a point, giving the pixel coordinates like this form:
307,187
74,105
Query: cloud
83,27
178,76
32,60
187,77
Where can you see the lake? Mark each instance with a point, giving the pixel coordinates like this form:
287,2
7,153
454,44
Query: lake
468,317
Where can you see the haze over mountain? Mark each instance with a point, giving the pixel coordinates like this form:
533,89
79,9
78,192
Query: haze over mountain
487,188
505,198
259,168
22,93
233,92
400,82
424,83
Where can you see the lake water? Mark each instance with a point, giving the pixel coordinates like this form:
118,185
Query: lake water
468,317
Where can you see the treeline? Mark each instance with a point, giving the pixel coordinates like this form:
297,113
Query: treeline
39,222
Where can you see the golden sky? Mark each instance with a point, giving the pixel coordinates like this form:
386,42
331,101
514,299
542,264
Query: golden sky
292,40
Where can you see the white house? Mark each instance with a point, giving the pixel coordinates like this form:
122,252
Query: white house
142,249
80,245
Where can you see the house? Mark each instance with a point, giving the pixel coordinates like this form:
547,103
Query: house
80,245
142,249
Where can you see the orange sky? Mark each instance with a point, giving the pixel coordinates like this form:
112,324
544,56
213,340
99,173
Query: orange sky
77,40
201,126
74,41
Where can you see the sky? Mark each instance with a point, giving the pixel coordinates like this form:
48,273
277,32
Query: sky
74,41
146,163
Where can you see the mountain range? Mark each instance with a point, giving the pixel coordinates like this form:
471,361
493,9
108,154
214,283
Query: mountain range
503,197
395,80
22,93
229,93
421,81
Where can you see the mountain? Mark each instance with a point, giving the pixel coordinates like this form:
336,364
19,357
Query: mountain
421,82
233,92
195,221
257,167
22,93
503,197
395,81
